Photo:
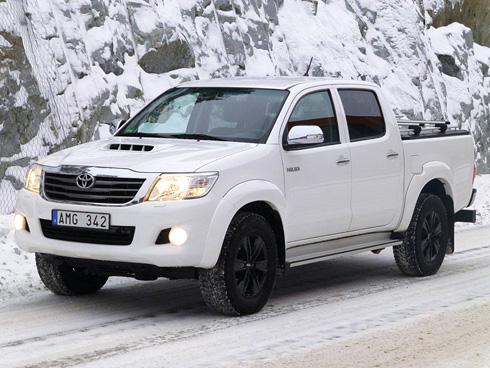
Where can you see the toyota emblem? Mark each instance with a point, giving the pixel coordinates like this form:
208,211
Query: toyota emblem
85,181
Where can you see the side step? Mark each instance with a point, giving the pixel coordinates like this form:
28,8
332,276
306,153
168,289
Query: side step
320,251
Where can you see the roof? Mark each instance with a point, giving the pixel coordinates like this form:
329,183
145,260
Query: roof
271,82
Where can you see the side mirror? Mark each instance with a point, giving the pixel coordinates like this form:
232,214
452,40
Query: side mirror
305,134
115,127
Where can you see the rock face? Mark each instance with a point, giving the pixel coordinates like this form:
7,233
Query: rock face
23,108
173,55
69,69
474,14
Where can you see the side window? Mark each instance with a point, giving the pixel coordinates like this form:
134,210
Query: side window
364,117
316,110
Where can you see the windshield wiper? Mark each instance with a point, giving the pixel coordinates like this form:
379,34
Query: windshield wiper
178,136
145,135
196,136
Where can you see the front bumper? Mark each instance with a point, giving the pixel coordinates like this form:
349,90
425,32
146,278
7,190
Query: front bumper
148,218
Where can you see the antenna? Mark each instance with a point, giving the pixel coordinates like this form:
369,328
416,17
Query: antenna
308,70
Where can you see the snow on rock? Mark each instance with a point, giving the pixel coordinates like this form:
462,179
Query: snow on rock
76,67
464,74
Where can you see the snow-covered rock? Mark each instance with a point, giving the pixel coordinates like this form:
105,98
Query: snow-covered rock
70,68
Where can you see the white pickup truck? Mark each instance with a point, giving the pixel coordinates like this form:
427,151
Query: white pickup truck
233,181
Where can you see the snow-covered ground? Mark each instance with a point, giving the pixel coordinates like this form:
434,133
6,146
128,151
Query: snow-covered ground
338,305
18,275
454,338
482,202
349,302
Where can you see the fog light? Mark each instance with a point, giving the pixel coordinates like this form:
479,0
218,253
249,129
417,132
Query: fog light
20,222
177,236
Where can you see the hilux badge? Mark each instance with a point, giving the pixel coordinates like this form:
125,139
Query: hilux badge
85,181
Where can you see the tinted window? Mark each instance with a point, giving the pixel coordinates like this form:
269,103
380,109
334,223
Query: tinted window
364,117
231,114
316,109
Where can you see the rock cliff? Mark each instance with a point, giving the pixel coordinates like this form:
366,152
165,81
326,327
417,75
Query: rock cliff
68,69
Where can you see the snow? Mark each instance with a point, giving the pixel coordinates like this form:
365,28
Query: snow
439,39
18,276
439,4
482,54
165,323
482,202
21,97
146,20
4,43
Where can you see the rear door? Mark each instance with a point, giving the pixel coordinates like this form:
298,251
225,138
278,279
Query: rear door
317,177
376,158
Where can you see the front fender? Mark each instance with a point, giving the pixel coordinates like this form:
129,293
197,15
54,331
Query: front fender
430,171
237,197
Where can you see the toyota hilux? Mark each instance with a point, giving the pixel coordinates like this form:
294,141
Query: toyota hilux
234,181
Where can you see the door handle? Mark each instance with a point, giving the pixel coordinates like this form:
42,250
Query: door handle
391,155
342,160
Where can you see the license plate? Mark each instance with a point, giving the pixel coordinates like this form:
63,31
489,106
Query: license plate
87,220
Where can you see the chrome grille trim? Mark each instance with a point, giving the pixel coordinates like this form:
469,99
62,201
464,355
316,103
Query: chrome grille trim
113,187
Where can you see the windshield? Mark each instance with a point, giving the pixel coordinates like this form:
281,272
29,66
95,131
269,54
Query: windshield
229,114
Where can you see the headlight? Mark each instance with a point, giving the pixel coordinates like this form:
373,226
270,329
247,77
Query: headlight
168,187
33,179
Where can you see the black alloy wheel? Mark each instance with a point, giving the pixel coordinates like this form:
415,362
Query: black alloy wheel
431,236
250,266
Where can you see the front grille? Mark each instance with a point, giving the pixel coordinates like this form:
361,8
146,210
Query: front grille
116,235
110,190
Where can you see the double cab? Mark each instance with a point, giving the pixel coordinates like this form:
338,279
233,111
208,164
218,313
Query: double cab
233,181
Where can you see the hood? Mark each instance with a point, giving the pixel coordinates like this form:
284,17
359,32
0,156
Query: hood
166,155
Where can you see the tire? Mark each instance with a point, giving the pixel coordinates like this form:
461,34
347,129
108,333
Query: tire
65,280
242,280
426,240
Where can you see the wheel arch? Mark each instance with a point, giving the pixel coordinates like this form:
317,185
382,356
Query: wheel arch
258,196
273,217
436,178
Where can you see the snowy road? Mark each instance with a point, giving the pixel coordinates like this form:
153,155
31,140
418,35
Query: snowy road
165,324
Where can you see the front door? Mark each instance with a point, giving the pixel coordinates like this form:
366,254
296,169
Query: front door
318,175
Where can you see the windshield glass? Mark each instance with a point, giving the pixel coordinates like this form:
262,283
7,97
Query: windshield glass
230,114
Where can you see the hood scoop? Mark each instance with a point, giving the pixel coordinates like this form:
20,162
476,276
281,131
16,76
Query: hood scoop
130,147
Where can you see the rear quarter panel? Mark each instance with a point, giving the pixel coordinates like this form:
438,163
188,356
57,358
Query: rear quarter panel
449,159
